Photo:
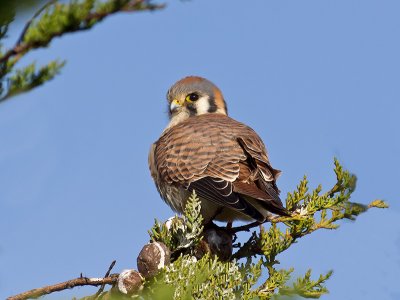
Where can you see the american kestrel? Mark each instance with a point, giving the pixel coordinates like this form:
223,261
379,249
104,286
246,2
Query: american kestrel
223,160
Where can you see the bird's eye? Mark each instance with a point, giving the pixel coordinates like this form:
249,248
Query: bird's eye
192,97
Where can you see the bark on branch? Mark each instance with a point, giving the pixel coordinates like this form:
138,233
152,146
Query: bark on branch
81,281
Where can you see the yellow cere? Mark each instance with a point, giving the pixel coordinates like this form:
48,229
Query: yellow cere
178,102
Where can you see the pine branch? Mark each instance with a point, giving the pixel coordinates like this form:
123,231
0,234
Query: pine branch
53,20
29,77
79,16
28,24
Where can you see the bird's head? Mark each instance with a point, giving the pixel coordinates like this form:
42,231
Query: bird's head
193,96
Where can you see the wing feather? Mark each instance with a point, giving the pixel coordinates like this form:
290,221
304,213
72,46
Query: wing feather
221,193
214,155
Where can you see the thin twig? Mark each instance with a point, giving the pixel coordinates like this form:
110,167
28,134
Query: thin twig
81,281
101,289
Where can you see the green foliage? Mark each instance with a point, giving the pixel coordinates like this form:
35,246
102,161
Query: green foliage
251,273
206,278
275,281
209,278
52,20
273,242
180,233
307,288
315,210
378,204
57,19
29,77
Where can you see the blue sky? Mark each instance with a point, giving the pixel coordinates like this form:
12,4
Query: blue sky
315,79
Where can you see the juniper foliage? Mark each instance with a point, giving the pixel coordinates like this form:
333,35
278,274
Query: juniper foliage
241,277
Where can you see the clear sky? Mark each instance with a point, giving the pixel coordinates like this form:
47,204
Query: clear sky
316,79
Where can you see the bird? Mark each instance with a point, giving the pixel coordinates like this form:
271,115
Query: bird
222,160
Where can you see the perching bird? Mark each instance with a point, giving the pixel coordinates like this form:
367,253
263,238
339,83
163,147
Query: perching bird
223,160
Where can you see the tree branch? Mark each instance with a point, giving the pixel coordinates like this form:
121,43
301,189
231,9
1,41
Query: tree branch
20,47
81,281
247,227
40,10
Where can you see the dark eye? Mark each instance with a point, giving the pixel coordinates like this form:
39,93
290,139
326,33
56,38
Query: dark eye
192,97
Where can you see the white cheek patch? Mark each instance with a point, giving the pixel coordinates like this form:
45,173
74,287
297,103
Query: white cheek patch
202,105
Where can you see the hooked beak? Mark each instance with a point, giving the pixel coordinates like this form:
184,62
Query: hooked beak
175,104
